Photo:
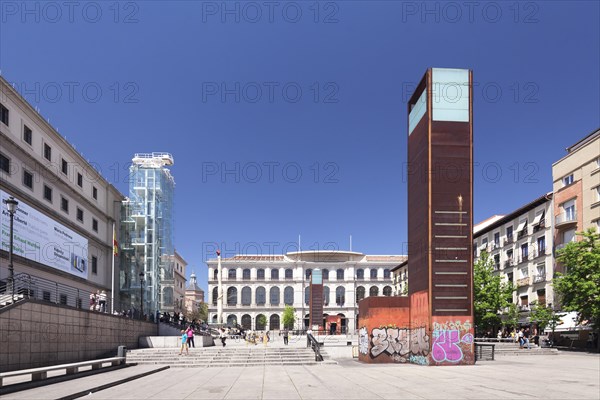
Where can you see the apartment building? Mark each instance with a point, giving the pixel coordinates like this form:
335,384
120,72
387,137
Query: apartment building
179,265
63,228
400,279
520,246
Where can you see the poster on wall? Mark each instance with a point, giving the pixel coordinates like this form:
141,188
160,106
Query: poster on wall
41,239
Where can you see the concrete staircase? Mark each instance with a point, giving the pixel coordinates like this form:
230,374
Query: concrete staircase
512,349
235,356
7,299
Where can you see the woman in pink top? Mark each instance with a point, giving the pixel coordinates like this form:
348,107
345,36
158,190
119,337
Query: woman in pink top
190,336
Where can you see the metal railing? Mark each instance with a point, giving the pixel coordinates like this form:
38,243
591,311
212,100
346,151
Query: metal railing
539,278
566,218
315,345
485,351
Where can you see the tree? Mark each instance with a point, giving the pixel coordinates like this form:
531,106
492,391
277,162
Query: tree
261,320
544,316
201,314
289,317
511,316
492,296
578,288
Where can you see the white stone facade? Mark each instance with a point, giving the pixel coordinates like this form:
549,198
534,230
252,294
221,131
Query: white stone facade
251,283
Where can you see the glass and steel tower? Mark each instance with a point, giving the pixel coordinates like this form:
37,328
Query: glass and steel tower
147,236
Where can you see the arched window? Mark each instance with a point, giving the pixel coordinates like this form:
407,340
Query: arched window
325,295
246,296
307,295
274,322
374,291
231,296
261,295
308,273
288,296
231,320
340,296
360,273
214,319
373,273
260,273
261,321
246,322
231,273
215,295
246,274
274,296
215,274
387,291
289,274
360,293
274,273
325,274
386,273
340,274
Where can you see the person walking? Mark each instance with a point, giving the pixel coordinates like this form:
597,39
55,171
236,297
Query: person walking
526,339
521,338
184,344
190,337
92,301
223,336
102,301
286,334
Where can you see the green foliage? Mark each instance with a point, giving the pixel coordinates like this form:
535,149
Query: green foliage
288,317
491,294
511,316
544,316
200,315
261,320
579,287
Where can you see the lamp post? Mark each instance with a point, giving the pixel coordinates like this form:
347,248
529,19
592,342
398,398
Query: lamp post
11,206
141,295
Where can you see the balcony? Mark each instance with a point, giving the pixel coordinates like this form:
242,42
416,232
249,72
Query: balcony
521,234
524,308
509,263
523,282
539,278
497,267
523,258
566,219
508,240
539,226
539,253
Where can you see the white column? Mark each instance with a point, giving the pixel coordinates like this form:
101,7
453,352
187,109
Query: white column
220,290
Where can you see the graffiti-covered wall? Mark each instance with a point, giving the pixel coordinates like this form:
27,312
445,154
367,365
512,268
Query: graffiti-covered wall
452,341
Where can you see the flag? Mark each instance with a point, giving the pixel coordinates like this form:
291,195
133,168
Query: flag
115,243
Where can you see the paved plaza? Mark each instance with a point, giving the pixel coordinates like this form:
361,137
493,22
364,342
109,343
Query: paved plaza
563,376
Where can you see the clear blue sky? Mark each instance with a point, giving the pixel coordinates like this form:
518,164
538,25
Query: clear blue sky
160,67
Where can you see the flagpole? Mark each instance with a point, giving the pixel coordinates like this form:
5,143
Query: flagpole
112,289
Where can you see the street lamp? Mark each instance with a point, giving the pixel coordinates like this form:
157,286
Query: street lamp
11,206
141,295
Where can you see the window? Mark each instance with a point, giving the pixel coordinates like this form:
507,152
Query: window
340,274
386,274
215,295
326,293
289,274
325,274
340,296
79,214
261,295
245,275
48,193
95,192
360,273
231,296
64,166
496,262
231,274
288,296
246,296
387,291
308,273
260,274
64,204
509,234
46,295
4,163
27,135
524,252
63,299
360,293
47,152
274,296
597,193
215,274
94,265
567,180
274,273
569,236
541,245
28,179
94,224
496,240
374,291
4,115
79,180
373,273
524,272
307,295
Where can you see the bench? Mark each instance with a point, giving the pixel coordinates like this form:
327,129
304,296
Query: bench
41,373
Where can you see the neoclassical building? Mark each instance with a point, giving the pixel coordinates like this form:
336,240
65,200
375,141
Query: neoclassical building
255,285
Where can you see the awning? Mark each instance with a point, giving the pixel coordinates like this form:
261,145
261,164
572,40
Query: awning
538,219
521,226
568,322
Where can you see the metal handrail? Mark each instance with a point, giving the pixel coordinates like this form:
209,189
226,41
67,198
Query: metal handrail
312,343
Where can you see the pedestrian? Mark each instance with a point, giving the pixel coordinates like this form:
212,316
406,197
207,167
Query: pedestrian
102,301
223,336
285,336
526,339
190,336
92,301
521,338
184,344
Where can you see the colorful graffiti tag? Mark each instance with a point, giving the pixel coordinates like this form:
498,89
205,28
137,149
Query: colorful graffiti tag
400,343
447,341
363,340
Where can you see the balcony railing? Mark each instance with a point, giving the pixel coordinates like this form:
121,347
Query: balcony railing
539,226
509,263
523,282
566,218
521,234
539,278
523,258
524,308
508,240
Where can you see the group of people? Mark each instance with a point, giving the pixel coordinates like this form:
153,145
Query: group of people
187,340
98,301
